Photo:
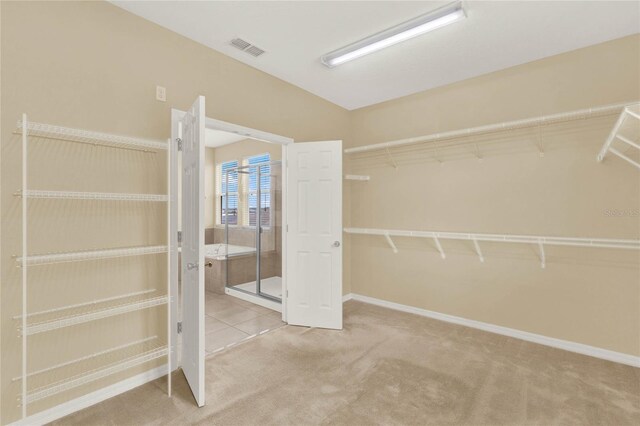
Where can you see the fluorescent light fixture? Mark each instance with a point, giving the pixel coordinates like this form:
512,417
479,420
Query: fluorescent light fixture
422,24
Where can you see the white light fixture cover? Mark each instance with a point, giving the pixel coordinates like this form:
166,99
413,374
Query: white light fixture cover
422,24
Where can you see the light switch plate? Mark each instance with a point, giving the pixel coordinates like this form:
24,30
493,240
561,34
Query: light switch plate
161,93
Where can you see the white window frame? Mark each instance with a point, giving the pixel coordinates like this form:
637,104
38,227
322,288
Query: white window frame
246,217
219,194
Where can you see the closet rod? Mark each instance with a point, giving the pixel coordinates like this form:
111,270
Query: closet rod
498,127
93,316
49,131
45,259
504,238
85,358
74,195
97,374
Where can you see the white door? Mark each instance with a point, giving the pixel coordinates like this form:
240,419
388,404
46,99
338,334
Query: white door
192,126
314,236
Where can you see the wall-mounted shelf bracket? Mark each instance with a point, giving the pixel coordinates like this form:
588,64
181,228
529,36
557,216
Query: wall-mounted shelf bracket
442,255
478,156
616,136
539,143
393,162
543,258
391,244
478,251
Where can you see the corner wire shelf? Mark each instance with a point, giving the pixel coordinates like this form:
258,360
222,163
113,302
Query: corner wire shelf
493,128
81,318
627,113
97,374
538,240
106,196
49,131
46,259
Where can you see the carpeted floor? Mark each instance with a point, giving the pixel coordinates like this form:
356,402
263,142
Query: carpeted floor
387,368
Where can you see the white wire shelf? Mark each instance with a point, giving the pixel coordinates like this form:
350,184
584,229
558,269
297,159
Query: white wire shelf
498,127
81,305
85,136
627,113
97,374
538,240
67,321
86,358
357,177
107,196
46,259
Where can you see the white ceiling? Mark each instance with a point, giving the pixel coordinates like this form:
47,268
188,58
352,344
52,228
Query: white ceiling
216,138
295,34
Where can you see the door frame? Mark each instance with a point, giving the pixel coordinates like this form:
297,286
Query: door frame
214,124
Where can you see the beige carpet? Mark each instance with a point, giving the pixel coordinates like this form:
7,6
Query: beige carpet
387,368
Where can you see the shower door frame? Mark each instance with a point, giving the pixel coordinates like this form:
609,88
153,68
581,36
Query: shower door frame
242,170
283,141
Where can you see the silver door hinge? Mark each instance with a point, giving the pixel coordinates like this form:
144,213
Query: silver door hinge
179,140
287,294
180,327
287,227
179,236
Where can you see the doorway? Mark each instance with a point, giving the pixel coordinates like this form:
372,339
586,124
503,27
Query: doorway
308,272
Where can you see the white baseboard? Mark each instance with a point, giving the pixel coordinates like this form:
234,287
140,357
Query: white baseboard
92,398
580,348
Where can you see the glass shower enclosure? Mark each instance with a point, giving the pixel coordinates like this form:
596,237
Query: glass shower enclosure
252,206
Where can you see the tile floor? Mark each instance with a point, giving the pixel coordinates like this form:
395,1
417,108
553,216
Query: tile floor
229,320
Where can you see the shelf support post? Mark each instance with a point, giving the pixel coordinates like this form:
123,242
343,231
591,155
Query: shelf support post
442,254
478,251
390,242
24,267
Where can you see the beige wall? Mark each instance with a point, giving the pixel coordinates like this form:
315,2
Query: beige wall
247,148
590,296
92,65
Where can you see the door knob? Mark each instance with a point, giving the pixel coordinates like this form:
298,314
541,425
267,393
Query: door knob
209,264
191,266
335,244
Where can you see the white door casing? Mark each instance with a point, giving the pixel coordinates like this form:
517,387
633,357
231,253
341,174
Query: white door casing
314,236
193,137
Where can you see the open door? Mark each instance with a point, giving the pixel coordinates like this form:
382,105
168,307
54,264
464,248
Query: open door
314,236
191,132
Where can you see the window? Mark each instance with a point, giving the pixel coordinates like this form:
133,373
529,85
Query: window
227,212
252,190
243,192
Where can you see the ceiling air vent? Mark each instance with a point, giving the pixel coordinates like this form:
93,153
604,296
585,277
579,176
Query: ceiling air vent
247,47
